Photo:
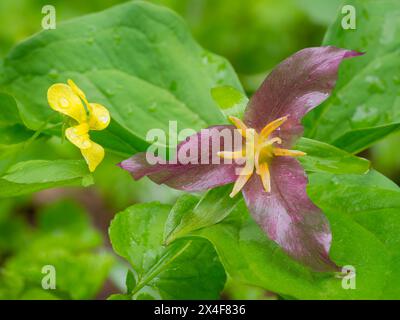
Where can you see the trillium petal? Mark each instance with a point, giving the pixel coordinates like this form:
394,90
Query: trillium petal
288,216
294,87
194,174
63,99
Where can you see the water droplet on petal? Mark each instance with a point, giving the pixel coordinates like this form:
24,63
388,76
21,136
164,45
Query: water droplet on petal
64,103
85,144
104,119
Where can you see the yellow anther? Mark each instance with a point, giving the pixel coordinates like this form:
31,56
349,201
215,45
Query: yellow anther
242,128
265,176
259,152
272,126
244,176
288,153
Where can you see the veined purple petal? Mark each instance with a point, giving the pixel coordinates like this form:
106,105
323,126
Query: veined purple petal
294,87
288,216
195,175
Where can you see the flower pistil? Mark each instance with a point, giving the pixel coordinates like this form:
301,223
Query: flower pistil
259,150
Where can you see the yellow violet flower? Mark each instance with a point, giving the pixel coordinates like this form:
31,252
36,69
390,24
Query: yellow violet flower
70,100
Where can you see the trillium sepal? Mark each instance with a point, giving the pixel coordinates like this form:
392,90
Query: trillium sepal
71,101
276,194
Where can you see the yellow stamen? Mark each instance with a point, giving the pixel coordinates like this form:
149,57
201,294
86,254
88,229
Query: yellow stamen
260,150
272,126
288,153
240,182
239,125
265,176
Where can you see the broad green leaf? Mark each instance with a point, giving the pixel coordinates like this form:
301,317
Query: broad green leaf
188,269
14,134
364,105
321,12
359,242
130,281
191,213
137,59
373,201
231,101
322,157
35,175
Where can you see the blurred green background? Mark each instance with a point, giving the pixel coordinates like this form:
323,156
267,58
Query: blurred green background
254,35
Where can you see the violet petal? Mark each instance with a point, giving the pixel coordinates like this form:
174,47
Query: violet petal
288,216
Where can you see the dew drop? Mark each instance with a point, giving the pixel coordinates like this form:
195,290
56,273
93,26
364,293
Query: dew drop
153,107
375,84
53,73
104,119
110,92
85,144
64,103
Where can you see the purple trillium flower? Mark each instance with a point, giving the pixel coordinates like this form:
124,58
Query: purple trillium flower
273,182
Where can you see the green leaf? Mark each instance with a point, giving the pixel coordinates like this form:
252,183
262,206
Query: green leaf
35,175
187,269
260,262
322,157
130,281
12,131
9,110
137,59
373,201
231,101
191,213
365,102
